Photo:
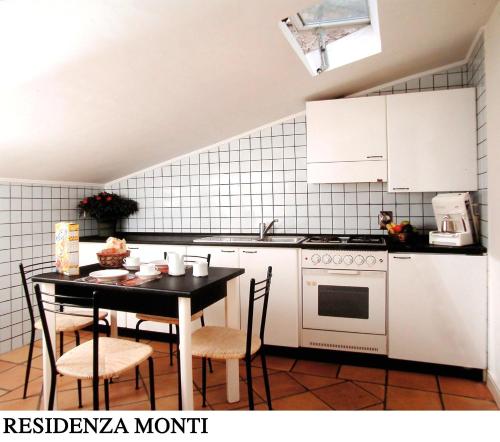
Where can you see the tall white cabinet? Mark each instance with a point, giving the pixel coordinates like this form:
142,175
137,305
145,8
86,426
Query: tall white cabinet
431,139
438,308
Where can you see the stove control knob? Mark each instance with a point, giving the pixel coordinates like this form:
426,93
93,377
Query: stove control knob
316,259
359,260
327,259
370,260
348,260
337,259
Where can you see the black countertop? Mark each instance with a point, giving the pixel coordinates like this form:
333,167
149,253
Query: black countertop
420,244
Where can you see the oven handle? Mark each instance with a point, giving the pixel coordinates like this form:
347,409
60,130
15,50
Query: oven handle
344,272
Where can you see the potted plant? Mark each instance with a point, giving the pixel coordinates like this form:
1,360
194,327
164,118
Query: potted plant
107,208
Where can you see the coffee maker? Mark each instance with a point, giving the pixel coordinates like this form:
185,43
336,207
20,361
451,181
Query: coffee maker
456,219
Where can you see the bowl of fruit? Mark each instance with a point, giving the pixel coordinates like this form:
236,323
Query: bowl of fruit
113,254
402,232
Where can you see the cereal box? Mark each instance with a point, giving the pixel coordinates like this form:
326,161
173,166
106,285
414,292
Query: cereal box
67,238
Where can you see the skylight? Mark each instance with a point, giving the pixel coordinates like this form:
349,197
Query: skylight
333,33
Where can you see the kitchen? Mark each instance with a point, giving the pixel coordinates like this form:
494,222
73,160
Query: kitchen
396,321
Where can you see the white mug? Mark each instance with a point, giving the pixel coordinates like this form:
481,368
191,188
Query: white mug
148,269
132,261
200,268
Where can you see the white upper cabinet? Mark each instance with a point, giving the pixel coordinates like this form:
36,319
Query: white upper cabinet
346,140
432,141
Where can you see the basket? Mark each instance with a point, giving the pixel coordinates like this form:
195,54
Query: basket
403,236
112,261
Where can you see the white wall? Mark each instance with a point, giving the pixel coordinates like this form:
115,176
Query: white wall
492,51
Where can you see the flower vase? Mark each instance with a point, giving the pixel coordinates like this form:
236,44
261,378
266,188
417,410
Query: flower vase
106,228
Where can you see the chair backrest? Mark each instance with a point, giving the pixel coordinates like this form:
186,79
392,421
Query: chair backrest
192,258
258,290
55,303
27,272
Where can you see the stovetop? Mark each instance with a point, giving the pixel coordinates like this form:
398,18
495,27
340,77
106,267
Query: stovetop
346,240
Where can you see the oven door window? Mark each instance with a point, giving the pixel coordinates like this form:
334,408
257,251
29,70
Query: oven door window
343,301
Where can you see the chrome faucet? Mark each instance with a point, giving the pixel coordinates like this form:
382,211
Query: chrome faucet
263,229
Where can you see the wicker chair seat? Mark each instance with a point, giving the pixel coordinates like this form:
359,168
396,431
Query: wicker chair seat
115,357
222,343
67,323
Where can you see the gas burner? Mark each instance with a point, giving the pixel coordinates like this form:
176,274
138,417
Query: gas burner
324,239
365,239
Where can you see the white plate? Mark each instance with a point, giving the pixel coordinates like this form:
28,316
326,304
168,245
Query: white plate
147,275
109,275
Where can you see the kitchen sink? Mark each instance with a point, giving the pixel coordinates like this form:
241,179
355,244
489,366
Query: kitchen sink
252,239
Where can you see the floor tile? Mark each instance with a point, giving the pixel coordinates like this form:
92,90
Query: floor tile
316,368
218,377
256,371
281,384
346,396
464,387
366,374
20,355
4,365
143,406
419,381
407,399
302,401
171,403
30,403
34,389
466,403
14,377
275,363
217,398
377,407
312,382
377,390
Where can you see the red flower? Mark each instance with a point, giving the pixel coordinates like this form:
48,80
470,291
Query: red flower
109,198
85,200
98,198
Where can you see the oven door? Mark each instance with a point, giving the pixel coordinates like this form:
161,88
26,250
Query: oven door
344,300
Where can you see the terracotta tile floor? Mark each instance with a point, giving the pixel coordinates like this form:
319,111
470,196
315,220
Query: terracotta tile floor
295,385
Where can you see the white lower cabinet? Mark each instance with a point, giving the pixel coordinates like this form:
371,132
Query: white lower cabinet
282,325
438,308
219,257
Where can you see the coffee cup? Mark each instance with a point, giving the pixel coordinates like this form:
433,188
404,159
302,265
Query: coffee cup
200,269
148,269
132,261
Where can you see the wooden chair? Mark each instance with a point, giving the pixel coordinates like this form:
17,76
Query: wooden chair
172,322
223,343
64,323
99,358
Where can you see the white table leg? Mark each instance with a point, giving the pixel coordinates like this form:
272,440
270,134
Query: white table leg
186,358
51,323
233,320
113,323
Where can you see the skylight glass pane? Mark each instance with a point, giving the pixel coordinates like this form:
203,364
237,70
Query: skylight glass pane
334,11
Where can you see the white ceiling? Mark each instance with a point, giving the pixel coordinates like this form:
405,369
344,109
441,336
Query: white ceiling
92,90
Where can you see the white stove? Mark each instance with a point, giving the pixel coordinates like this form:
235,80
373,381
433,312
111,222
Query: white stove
344,299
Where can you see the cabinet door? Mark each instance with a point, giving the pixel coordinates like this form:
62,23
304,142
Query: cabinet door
437,309
352,129
432,141
219,257
282,325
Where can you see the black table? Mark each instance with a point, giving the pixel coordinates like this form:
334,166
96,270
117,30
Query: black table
169,296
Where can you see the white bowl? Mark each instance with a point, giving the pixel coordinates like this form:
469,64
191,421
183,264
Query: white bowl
109,275
133,268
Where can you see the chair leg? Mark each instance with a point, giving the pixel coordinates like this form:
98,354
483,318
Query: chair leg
106,394
52,393
78,382
108,327
266,380
202,319
179,392
171,344
248,364
152,384
30,358
204,381
139,322
61,343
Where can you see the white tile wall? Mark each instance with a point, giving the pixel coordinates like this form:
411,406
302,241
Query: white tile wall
28,213
236,185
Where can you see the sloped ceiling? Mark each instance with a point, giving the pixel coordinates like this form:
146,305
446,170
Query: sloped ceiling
92,90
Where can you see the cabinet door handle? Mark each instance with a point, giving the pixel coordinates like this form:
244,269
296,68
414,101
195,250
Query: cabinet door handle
375,156
249,251
228,251
402,257
400,188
